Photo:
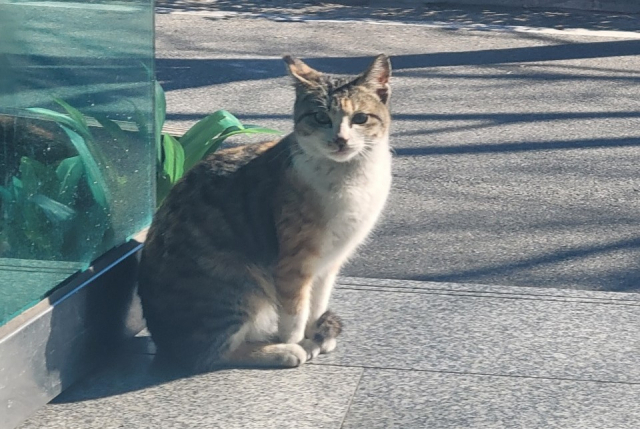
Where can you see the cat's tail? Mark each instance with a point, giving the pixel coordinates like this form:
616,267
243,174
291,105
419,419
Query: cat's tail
264,355
240,355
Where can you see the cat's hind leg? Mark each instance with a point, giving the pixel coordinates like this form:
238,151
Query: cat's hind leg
252,345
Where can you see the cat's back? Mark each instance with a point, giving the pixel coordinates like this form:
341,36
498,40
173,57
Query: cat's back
223,202
228,172
248,158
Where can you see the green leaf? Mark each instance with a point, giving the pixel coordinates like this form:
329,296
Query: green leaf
209,127
58,117
37,177
160,113
197,140
55,211
17,187
81,122
173,165
95,180
30,174
6,194
148,70
119,136
143,128
254,129
163,186
38,229
69,172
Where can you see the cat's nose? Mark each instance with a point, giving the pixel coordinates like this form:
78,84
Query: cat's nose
341,142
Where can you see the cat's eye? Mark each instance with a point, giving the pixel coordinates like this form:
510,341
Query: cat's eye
359,118
322,118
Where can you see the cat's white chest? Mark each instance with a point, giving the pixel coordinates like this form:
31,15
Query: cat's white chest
352,206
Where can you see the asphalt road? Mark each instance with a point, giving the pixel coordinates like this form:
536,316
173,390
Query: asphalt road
516,153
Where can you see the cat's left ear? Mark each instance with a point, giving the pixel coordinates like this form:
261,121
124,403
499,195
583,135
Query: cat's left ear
377,77
302,73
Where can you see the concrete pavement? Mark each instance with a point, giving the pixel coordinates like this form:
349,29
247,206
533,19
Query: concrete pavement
517,152
413,355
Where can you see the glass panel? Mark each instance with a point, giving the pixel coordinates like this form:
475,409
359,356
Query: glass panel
73,185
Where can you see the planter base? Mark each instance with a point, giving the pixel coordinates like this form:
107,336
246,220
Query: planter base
59,340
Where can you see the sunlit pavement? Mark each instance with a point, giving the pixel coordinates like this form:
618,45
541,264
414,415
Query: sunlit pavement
516,149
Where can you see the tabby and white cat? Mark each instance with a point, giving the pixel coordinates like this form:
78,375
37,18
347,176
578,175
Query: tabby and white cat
242,256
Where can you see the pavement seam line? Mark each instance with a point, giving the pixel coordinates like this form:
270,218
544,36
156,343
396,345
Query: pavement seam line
480,295
427,289
353,395
483,288
479,374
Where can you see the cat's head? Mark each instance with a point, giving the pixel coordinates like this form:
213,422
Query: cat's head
340,118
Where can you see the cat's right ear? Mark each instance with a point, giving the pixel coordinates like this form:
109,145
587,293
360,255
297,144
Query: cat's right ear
377,77
301,73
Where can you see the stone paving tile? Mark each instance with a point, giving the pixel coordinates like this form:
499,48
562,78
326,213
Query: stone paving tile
410,399
415,354
488,335
129,394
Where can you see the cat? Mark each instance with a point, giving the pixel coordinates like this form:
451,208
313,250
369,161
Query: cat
242,256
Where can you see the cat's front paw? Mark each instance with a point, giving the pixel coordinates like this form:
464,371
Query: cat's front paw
291,355
328,345
312,348
325,331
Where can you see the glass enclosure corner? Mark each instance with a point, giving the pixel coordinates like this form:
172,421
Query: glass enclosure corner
77,152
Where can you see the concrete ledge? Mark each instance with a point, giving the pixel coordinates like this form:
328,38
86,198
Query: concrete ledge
62,338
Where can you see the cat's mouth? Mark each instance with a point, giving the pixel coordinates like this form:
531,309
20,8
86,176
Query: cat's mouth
343,154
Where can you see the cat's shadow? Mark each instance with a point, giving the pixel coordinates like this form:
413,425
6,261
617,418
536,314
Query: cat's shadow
130,369
133,368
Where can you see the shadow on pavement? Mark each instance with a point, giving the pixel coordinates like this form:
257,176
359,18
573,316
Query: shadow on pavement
518,147
124,373
451,14
205,72
626,281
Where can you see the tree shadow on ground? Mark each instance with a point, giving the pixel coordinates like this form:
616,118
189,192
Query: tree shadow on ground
458,15
518,147
618,281
204,72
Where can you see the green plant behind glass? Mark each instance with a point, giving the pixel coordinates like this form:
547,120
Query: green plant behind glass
176,155
61,212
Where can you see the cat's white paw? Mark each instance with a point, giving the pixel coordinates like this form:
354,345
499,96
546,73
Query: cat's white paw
291,355
311,348
328,345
